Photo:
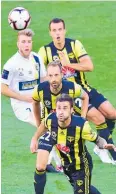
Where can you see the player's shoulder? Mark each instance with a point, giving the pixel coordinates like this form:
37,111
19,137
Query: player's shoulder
78,120
44,86
52,116
34,54
68,83
69,40
12,60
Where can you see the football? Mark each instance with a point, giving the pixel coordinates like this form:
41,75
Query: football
19,18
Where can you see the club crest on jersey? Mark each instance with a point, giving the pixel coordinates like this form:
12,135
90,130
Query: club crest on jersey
20,70
47,103
71,55
30,72
55,58
70,138
79,182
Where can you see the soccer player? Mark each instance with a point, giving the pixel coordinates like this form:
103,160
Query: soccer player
75,61
48,91
21,73
69,132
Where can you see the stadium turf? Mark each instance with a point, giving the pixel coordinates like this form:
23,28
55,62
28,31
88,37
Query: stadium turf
94,24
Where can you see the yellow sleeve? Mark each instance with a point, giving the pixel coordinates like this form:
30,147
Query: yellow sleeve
78,90
42,54
35,94
48,122
87,133
79,49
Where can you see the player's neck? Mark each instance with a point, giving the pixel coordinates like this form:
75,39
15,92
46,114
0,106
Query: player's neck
57,90
59,45
25,56
65,124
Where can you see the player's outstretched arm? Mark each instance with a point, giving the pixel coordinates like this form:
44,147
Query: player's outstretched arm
6,91
34,141
90,135
102,144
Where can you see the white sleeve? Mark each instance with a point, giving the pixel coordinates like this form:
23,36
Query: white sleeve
42,68
7,73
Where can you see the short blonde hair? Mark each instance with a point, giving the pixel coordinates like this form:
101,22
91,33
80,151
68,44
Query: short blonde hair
26,32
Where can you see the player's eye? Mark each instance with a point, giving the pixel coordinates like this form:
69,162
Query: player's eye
29,41
23,41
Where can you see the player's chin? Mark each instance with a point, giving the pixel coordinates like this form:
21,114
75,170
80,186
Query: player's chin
61,119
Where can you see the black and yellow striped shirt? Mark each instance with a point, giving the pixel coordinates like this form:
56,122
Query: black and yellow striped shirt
43,94
73,50
72,139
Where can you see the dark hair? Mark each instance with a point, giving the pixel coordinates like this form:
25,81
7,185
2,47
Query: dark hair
57,20
65,97
55,64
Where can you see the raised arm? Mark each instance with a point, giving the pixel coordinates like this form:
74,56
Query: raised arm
84,61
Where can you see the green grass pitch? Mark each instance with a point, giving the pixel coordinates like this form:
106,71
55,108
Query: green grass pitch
94,24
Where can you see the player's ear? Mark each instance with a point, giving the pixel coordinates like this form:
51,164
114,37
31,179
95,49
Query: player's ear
17,44
49,32
72,110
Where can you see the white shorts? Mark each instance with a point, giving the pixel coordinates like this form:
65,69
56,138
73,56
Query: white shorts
24,112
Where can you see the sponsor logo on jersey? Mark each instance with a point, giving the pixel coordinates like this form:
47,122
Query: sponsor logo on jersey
54,135
5,74
68,72
63,148
47,103
56,58
28,85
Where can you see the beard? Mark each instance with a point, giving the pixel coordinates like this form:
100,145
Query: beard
55,85
62,118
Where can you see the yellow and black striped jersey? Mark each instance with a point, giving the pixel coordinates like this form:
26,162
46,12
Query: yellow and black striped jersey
73,50
43,94
71,139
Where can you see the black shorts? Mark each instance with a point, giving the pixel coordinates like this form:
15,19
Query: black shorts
45,142
80,180
96,98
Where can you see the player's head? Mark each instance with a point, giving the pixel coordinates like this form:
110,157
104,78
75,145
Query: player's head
57,30
64,107
24,42
54,74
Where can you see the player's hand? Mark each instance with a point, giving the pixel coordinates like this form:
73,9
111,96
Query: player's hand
33,145
110,147
63,59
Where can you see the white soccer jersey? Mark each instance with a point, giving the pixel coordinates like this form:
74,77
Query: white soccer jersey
22,74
